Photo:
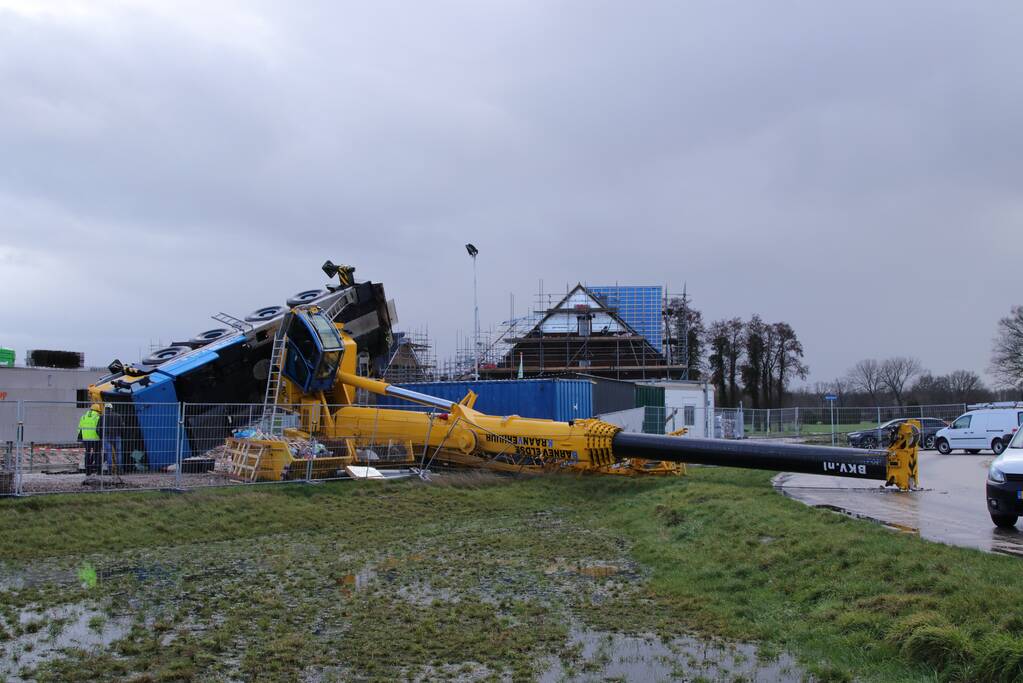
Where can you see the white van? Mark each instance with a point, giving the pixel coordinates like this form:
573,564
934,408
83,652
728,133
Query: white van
978,430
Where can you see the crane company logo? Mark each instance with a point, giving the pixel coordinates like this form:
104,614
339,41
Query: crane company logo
532,446
3,395
844,468
521,440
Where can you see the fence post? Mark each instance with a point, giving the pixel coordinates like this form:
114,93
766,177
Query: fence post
879,434
833,436
18,446
102,452
177,446
309,468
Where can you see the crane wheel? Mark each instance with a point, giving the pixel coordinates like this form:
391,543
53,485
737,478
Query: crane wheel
165,354
261,315
208,336
305,297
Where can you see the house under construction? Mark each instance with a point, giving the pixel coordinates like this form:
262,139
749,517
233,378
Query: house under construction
607,331
411,359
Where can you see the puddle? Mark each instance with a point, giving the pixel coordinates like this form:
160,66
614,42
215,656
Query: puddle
599,571
14,578
951,508
142,573
357,581
594,570
894,526
423,594
610,656
55,629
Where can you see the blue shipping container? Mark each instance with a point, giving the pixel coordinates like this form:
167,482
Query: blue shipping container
553,399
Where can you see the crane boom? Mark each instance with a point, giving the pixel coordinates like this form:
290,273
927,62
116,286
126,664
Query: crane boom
461,435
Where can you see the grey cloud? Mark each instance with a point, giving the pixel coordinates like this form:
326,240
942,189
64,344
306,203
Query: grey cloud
816,162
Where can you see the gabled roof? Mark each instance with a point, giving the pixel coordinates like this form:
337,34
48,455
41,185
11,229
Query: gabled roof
562,318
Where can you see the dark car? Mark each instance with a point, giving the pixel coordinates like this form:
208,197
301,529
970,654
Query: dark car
880,437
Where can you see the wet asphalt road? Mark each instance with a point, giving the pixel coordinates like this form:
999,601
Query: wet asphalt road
950,508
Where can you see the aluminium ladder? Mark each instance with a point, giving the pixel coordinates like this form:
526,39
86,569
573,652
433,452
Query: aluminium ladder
274,379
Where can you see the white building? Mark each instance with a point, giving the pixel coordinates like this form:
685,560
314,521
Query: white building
52,416
46,384
687,403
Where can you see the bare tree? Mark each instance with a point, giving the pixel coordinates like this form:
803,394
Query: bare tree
752,370
789,359
1007,356
865,376
964,385
735,329
932,389
897,372
725,341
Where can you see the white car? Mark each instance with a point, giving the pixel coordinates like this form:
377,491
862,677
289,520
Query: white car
1005,484
979,430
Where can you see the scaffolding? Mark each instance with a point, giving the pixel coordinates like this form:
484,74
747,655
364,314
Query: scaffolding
412,359
654,345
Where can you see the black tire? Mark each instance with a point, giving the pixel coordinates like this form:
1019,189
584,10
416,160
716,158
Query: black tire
929,442
870,443
305,297
997,446
261,315
973,451
1004,521
943,447
208,336
166,354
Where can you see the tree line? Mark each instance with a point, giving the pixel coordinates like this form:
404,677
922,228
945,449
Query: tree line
753,362
901,381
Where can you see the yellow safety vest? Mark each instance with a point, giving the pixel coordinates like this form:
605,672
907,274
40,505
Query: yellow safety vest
87,425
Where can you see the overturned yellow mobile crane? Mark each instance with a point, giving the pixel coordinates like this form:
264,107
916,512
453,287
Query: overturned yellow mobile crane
311,397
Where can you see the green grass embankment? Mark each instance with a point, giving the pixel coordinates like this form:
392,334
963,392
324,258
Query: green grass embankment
467,578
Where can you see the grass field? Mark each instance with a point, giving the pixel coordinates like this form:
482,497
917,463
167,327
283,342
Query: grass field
486,578
840,429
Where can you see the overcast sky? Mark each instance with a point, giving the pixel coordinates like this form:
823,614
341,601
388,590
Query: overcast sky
852,168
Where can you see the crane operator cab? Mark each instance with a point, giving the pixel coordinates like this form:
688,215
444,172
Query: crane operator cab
314,350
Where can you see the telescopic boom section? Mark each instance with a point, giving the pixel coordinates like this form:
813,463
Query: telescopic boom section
384,389
593,445
845,462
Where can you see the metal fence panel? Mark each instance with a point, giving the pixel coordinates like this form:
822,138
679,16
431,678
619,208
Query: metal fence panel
184,446
133,446
815,421
9,445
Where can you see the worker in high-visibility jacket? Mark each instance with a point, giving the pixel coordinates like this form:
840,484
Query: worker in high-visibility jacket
89,435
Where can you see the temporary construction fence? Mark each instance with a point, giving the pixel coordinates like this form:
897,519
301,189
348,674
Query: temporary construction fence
822,421
175,446
180,446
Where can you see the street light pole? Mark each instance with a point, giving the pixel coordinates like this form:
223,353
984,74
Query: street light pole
473,251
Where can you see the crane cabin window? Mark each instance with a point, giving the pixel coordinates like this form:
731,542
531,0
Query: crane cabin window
325,330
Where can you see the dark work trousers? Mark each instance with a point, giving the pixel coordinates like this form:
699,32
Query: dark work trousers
92,456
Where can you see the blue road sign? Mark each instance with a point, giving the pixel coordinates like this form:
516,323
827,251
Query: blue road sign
831,397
